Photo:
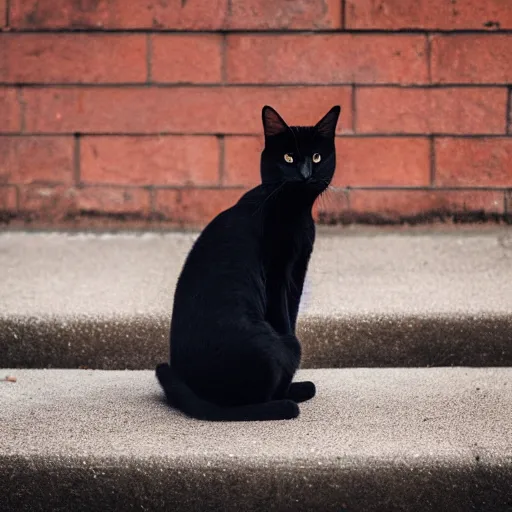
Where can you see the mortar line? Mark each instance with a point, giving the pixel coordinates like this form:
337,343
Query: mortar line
149,60
508,113
76,159
432,156
152,200
223,59
22,104
278,32
343,14
247,85
343,135
354,109
17,193
428,50
8,14
222,158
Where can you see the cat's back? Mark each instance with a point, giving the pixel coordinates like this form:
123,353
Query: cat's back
232,232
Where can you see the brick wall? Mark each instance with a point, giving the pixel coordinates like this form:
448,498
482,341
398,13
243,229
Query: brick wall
149,111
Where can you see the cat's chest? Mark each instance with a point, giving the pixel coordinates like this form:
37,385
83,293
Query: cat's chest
282,249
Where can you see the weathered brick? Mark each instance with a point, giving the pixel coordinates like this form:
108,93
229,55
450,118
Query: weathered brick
382,161
428,14
392,205
368,162
8,200
177,109
186,58
508,202
36,159
106,200
47,203
326,58
3,13
10,116
284,14
474,162
472,59
418,110
73,58
242,160
166,160
119,14
194,207
176,14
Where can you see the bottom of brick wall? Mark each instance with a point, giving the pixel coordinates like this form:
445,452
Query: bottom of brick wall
146,208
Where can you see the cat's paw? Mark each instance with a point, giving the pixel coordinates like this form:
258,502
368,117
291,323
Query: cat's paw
290,409
301,391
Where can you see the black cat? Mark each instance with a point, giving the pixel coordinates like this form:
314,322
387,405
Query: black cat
233,346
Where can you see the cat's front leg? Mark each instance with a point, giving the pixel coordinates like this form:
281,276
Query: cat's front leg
278,315
295,287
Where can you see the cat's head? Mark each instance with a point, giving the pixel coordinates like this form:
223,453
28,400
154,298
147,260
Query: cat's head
303,155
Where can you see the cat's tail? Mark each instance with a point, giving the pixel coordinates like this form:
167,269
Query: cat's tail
179,395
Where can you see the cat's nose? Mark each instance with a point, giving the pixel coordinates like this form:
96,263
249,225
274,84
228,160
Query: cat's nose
306,169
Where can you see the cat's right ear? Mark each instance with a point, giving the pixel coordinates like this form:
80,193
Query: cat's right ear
273,123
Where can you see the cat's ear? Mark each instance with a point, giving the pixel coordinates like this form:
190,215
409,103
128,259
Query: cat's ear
326,127
273,123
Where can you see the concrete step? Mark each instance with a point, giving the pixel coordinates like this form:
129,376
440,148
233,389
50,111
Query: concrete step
387,299
427,439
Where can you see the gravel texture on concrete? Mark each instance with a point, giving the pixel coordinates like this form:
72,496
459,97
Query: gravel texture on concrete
371,440
104,301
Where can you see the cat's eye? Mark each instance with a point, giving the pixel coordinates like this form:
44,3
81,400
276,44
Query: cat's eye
317,158
288,158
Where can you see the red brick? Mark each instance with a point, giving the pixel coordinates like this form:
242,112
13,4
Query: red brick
10,116
368,162
448,110
474,162
36,159
242,160
472,59
177,109
50,203
112,200
8,201
3,13
186,58
284,14
382,161
73,58
119,14
394,204
195,207
166,160
176,14
326,59
428,14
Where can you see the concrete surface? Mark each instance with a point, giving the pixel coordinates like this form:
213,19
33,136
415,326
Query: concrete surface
104,301
371,440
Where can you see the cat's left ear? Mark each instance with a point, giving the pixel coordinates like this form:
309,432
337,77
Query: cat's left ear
326,127
273,123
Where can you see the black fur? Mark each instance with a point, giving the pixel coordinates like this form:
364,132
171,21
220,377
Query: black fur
233,346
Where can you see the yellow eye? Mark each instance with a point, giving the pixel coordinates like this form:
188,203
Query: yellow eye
288,158
317,158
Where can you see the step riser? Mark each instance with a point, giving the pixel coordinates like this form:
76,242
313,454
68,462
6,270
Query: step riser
347,342
38,485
